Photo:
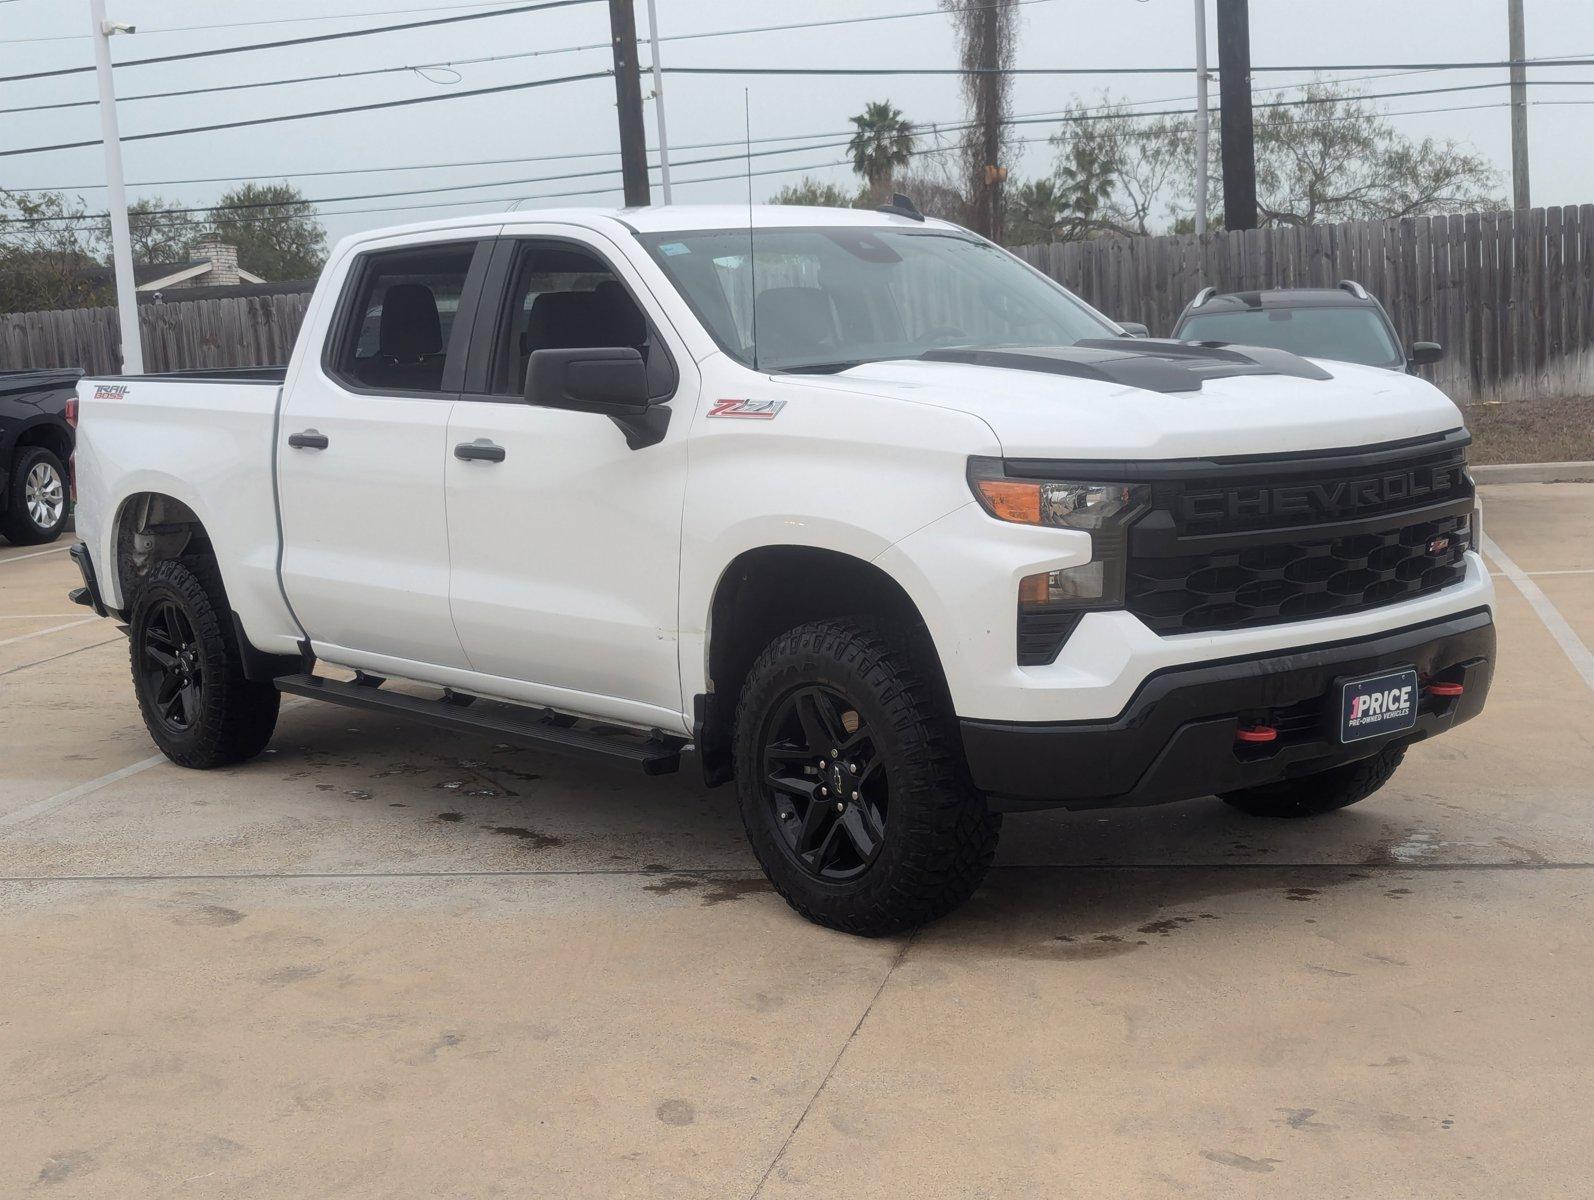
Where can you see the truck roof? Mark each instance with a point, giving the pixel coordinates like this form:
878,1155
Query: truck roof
678,217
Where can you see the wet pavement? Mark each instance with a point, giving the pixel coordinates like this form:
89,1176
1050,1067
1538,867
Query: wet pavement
386,961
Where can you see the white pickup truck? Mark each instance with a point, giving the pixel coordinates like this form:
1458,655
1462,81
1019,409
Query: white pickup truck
894,531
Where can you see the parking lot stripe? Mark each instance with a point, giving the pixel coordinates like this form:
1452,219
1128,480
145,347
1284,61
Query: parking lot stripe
43,808
35,554
23,637
1572,645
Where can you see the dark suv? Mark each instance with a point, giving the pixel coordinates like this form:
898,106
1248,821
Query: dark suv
37,415
1343,323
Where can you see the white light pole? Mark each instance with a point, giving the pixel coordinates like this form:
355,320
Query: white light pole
1203,118
116,193
658,101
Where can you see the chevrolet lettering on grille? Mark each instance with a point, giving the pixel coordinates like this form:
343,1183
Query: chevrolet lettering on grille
1335,498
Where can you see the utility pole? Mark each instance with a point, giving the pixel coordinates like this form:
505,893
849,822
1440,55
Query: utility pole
658,100
1203,125
116,193
628,95
1521,194
1234,89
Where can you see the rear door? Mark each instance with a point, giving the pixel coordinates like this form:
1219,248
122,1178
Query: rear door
361,447
565,542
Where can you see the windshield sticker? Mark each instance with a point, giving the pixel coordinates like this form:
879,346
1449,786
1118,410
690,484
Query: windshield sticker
748,410
674,248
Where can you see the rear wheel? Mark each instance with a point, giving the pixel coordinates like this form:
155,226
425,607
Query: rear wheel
1327,791
851,784
36,507
189,675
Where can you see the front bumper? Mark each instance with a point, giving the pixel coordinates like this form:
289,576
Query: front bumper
1175,739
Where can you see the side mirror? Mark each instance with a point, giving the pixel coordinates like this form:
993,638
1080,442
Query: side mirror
609,380
1135,329
1426,353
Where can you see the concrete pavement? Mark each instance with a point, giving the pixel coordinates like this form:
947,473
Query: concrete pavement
382,961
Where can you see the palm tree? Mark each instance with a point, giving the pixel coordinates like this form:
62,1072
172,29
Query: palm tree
883,142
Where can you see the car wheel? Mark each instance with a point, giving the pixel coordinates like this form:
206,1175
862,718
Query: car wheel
851,782
36,507
1327,791
188,674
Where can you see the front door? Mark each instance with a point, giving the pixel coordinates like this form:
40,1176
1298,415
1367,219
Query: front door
361,447
565,541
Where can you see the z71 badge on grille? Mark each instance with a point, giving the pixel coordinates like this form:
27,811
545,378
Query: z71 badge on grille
748,410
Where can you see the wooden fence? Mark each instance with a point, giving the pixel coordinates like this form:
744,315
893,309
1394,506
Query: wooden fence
1510,295
243,331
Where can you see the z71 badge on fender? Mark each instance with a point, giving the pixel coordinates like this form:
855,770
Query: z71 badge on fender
748,410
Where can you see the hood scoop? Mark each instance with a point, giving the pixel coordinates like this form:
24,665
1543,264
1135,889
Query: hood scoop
1152,364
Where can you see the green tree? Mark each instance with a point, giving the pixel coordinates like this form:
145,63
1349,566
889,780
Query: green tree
48,245
883,142
1038,212
276,230
813,193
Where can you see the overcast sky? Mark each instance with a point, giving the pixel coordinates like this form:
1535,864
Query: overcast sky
578,119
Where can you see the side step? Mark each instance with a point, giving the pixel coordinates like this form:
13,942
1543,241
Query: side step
537,729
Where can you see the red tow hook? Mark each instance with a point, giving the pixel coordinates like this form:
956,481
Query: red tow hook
1446,689
1256,733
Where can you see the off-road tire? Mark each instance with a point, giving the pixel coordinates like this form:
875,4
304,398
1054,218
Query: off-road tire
1325,792
235,716
17,522
939,837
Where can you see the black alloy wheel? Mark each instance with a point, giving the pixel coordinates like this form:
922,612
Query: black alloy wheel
171,670
828,790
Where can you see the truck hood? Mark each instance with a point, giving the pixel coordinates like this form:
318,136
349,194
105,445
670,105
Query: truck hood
1039,415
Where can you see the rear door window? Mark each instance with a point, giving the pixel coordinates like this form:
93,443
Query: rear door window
401,331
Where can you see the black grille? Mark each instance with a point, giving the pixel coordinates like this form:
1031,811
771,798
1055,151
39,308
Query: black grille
1289,543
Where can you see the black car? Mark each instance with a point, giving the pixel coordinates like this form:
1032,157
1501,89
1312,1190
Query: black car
37,413
1343,323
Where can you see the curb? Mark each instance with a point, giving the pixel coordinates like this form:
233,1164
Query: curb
1563,472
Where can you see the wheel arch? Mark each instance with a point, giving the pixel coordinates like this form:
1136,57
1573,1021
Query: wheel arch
55,438
765,591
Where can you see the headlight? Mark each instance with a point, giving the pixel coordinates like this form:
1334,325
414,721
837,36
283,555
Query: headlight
1051,604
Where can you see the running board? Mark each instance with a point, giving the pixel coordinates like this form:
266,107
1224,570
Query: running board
536,729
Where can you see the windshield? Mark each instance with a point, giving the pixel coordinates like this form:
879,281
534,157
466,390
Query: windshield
1355,335
831,298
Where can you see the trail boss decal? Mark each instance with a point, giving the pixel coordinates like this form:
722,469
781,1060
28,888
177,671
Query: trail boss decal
110,391
1376,705
747,410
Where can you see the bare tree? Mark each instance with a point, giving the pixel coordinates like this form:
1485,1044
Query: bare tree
987,33
1337,158
1330,155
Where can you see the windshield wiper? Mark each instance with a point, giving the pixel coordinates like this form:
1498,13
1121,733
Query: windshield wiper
822,368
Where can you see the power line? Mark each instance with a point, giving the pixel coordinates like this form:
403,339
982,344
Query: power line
158,29
451,64
324,112
1307,69
738,156
540,6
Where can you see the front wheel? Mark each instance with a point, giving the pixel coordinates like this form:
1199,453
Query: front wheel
851,782
198,706
1325,792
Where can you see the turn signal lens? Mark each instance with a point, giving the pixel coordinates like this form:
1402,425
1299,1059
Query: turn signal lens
1010,500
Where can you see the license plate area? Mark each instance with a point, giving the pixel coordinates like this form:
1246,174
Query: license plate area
1375,705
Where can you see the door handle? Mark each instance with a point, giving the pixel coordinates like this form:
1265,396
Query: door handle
479,451
308,440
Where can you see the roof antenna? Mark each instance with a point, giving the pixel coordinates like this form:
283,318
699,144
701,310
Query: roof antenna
752,251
